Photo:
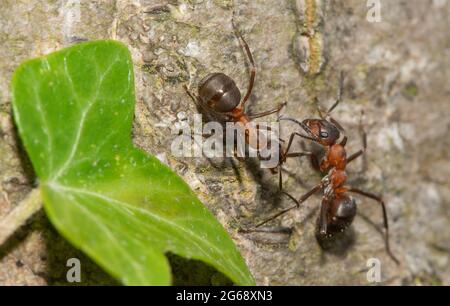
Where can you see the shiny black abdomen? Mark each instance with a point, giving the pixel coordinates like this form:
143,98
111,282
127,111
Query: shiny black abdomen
341,213
219,92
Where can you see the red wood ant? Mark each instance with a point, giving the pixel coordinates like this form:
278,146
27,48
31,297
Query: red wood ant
219,96
338,209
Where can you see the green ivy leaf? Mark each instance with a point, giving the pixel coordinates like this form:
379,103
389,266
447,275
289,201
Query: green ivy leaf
74,111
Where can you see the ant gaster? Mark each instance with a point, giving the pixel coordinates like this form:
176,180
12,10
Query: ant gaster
338,208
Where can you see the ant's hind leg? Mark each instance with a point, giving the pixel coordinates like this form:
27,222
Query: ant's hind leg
236,171
302,199
385,218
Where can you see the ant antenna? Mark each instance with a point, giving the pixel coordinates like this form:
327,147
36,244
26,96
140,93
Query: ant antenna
302,125
339,93
243,43
316,102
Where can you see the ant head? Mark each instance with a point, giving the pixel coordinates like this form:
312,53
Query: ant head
323,131
219,92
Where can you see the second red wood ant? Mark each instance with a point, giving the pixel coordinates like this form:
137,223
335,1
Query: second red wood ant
338,208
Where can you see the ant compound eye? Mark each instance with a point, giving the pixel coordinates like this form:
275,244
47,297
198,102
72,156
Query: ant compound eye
323,134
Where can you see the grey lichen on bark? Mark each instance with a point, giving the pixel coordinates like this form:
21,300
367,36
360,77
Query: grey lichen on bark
397,74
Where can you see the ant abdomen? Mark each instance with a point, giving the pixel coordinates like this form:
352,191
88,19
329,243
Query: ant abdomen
341,213
219,92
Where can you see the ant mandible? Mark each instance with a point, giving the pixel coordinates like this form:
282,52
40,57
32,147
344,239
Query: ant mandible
338,209
218,95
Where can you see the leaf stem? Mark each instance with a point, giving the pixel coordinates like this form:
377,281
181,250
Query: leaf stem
17,217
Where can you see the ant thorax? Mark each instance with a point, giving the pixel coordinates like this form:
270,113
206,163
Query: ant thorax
336,157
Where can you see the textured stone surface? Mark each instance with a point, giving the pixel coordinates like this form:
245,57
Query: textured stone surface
397,73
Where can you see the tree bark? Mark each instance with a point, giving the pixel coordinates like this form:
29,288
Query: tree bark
396,83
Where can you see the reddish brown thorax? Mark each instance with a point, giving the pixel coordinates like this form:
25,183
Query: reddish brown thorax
336,157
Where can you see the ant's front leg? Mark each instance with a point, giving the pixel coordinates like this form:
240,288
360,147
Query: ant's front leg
193,96
280,170
323,217
314,159
291,140
291,154
303,198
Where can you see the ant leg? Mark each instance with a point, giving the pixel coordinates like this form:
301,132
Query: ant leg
269,112
363,150
358,153
268,128
252,62
236,171
299,154
302,199
293,154
355,156
385,219
280,177
237,156
287,154
313,158
258,134
280,162
191,94
291,139
323,218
